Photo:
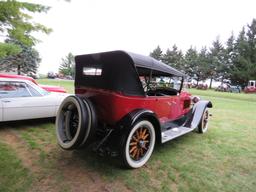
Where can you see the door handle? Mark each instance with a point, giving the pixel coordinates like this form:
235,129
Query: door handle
6,101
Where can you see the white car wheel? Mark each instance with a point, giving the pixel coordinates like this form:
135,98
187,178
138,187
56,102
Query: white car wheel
203,125
139,144
73,122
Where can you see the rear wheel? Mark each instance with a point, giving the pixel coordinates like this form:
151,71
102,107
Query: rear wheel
74,122
138,144
203,125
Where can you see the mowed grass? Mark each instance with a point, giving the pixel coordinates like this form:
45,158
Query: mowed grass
223,159
13,175
67,84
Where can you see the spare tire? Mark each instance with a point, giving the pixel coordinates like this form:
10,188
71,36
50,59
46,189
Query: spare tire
89,135
74,122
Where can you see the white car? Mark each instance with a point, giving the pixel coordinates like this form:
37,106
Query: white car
22,99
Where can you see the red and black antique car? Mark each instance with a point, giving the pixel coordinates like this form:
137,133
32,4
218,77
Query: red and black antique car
128,102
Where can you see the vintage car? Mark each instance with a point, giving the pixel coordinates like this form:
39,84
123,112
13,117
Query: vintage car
251,87
128,102
21,99
49,88
226,87
202,86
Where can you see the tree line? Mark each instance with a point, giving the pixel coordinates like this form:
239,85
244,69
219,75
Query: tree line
234,60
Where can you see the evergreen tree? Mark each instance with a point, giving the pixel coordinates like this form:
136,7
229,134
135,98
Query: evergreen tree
157,53
67,67
25,62
229,56
251,34
174,58
216,64
203,64
242,69
191,63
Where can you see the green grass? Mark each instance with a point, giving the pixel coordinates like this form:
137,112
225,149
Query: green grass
67,84
13,176
223,159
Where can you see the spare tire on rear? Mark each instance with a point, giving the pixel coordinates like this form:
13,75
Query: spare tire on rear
75,122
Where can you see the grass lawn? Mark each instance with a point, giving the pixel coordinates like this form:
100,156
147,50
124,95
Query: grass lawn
223,159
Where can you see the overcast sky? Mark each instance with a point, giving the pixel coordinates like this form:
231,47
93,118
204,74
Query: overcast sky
87,26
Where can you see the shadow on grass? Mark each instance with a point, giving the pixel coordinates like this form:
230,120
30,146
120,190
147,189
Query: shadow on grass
26,123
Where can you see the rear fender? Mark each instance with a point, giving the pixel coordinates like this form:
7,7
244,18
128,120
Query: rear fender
196,113
131,118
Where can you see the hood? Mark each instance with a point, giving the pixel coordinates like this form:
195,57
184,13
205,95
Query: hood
51,88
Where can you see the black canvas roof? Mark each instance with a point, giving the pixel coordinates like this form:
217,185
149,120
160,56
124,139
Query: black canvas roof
119,71
151,63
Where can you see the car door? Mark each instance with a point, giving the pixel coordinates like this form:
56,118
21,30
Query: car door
168,107
22,103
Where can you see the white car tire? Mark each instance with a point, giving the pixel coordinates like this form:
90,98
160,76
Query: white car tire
73,122
138,144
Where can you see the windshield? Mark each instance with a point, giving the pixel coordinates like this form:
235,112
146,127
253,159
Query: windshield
40,90
160,82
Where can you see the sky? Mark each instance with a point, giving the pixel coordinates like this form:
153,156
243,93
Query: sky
89,26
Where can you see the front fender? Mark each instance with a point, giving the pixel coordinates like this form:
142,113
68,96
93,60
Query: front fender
196,113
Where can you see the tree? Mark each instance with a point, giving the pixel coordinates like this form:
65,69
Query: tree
204,60
229,56
15,23
67,67
216,64
25,62
174,57
251,36
191,62
157,53
243,68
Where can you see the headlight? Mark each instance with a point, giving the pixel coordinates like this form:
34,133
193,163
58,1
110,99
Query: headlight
195,99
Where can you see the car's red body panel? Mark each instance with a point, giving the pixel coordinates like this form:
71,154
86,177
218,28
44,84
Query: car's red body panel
113,106
51,88
18,77
45,87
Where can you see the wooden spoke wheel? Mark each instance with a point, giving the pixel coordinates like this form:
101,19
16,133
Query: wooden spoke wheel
203,125
139,144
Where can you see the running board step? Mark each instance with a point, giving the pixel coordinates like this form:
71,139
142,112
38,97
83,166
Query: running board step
174,133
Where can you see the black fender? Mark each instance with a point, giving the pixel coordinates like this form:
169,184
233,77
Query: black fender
125,124
196,113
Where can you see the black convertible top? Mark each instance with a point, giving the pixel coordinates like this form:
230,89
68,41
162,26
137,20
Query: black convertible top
151,63
118,71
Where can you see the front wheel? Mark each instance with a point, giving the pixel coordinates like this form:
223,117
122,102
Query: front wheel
203,125
138,144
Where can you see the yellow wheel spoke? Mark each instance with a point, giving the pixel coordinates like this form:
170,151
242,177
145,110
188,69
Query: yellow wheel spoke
133,148
133,143
134,138
137,154
141,152
144,132
145,136
137,134
141,131
134,153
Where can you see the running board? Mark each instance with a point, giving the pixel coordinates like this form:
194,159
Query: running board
174,133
